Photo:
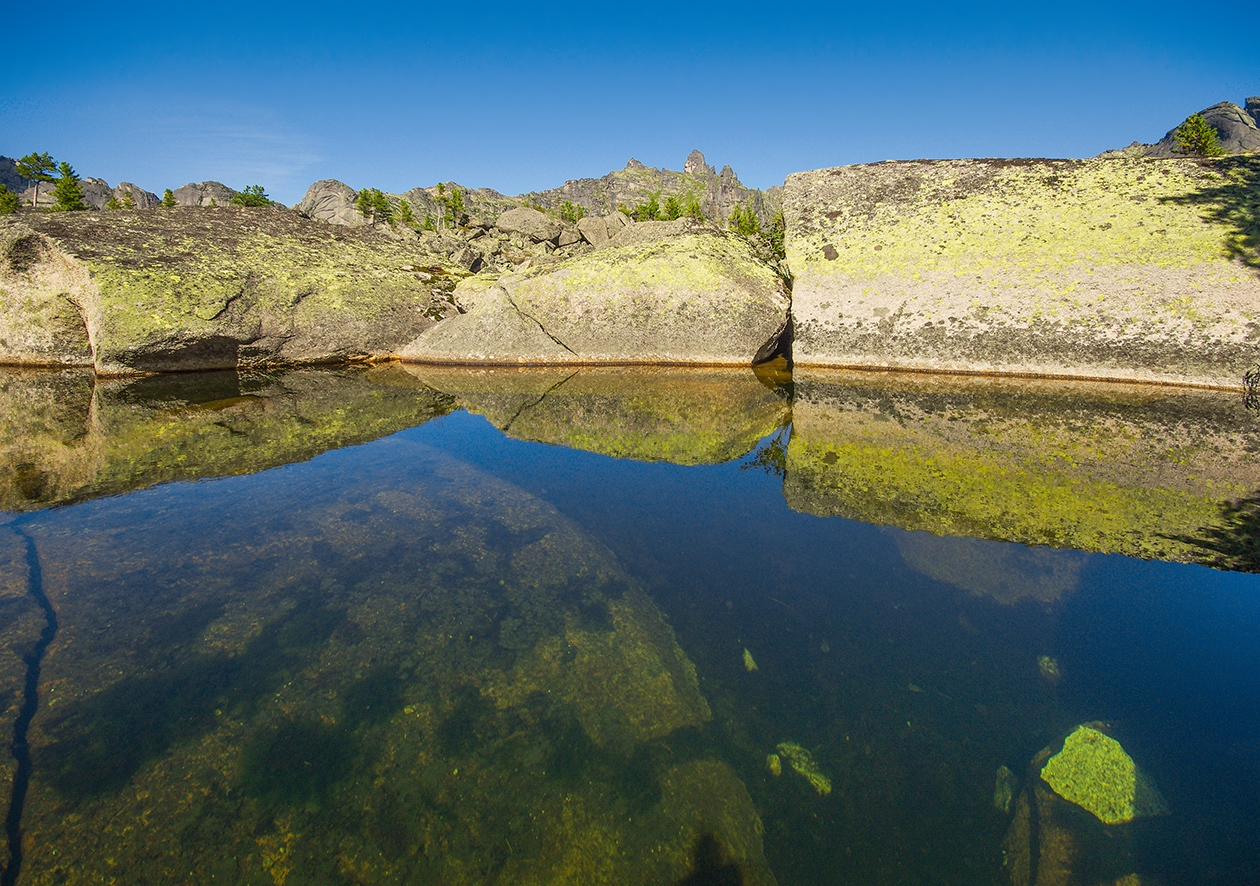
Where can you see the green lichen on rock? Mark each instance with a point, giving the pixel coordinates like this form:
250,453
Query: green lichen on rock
698,297
1094,772
208,289
1099,268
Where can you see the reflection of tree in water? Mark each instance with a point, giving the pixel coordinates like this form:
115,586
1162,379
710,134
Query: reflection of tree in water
1232,200
1235,544
771,455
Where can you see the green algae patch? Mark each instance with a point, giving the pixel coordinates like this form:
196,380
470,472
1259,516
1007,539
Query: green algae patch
1099,468
1126,269
682,416
1094,772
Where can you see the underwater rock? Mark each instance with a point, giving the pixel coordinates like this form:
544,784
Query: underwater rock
1086,830
1094,772
749,664
1004,788
802,763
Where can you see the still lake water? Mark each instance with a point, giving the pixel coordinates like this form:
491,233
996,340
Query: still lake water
425,627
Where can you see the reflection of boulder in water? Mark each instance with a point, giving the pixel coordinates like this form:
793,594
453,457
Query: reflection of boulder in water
1076,820
683,416
66,436
1097,467
1005,573
541,728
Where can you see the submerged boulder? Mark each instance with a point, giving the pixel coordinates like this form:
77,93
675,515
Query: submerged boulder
698,298
1094,772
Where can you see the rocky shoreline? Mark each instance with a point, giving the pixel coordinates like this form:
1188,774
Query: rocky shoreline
1112,268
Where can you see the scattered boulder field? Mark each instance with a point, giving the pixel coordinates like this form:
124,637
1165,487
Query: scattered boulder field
1121,267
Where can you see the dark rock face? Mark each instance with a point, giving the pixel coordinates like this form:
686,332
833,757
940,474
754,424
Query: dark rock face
9,176
1237,127
717,194
204,194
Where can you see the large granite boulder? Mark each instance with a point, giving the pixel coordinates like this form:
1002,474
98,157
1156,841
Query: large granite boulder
204,194
41,323
184,290
1120,268
333,202
697,298
538,226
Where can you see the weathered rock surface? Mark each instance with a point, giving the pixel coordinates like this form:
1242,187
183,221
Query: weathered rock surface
204,194
333,202
717,193
1120,269
538,226
699,298
1140,470
182,290
683,416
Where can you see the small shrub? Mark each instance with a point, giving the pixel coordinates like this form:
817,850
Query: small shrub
67,191
10,202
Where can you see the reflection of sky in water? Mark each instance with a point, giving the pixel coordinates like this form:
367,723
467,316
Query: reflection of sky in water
450,655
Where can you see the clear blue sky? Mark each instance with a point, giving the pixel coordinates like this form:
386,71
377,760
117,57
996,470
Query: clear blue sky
522,96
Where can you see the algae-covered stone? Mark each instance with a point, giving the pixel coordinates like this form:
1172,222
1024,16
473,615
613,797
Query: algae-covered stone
675,414
188,289
701,297
1131,269
1094,772
803,764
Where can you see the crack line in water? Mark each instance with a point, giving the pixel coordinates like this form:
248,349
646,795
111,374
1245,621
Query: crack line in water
30,704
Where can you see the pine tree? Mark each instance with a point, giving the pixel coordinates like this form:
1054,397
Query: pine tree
168,197
457,207
673,209
381,210
9,201
68,193
112,203
128,201
253,195
405,214
37,168
1196,136
691,208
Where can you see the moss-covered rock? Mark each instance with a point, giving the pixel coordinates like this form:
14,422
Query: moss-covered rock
1145,471
1128,269
193,289
1094,772
697,298
684,416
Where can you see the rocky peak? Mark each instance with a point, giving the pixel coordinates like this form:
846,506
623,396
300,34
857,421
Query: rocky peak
695,164
204,194
1253,107
635,165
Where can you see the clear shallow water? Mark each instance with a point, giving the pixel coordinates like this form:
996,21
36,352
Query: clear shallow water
449,656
